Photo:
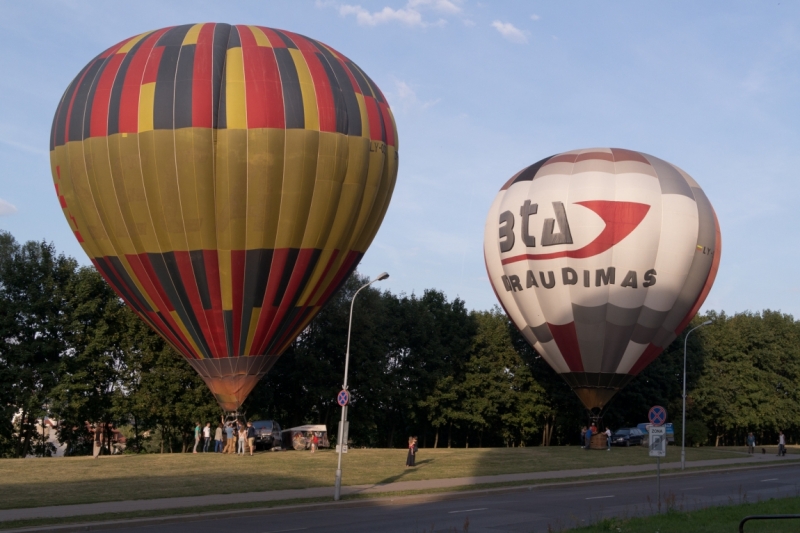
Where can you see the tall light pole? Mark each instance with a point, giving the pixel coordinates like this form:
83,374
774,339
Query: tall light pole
683,420
342,442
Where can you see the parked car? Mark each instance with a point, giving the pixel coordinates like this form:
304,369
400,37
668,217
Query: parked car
268,434
627,437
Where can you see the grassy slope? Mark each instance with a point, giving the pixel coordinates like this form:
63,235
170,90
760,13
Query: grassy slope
40,482
712,520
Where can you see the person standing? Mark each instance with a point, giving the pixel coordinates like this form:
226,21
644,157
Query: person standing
242,438
218,439
314,441
751,443
197,430
589,437
251,437
230,440
583,437
410,459
781,444
608,438
206,437
97,447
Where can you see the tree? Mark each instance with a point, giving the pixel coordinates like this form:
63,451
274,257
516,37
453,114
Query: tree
33,299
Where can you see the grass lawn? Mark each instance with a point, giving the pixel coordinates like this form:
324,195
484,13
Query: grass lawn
60,481
711,520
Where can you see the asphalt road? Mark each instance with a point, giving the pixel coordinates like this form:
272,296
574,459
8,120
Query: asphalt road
525,510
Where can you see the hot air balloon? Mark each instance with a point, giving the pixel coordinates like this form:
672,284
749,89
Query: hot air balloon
601,257
225,181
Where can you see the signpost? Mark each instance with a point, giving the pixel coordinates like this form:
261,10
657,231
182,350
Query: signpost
657,441
343,398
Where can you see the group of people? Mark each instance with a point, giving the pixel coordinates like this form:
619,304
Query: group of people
751,443
586,436
411,459
234,432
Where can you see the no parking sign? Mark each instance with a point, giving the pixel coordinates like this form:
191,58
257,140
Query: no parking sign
657,415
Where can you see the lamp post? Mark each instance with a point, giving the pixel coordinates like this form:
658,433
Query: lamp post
683,420
342,442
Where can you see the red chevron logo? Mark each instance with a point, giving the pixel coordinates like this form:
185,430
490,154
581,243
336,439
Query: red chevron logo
621,218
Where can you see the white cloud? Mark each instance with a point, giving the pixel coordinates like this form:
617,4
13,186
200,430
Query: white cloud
7,208
445,6
406,98
410,14
410,17
535,17
510,32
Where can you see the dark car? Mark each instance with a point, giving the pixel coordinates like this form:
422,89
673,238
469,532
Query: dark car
268,434
627,437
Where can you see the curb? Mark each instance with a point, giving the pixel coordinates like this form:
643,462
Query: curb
367,502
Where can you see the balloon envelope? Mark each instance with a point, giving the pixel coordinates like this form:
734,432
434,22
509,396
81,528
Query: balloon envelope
601,257
225,181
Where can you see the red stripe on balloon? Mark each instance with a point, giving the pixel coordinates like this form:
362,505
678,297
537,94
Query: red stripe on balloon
567,341
648,356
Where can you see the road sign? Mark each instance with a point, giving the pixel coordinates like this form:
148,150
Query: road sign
657,415
658,441
343,398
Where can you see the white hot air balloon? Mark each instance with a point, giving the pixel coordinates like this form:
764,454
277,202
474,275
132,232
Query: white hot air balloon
601,257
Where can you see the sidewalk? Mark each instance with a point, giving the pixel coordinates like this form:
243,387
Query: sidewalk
327,492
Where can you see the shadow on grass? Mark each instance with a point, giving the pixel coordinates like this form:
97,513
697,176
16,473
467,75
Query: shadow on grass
401,475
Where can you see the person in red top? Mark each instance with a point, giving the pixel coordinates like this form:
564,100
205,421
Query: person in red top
314,442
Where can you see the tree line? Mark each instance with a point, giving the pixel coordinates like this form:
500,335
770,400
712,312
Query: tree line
420,365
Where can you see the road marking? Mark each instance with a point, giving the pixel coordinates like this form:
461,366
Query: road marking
770,479
286,530
599,497
469,510
693,488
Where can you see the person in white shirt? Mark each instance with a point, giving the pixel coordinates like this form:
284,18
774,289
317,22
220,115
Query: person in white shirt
781,444
206,436
608,438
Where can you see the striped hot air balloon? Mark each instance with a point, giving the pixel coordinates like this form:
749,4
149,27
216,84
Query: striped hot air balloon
601,257
225,180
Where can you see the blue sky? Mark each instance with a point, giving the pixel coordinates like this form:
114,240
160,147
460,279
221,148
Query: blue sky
481,90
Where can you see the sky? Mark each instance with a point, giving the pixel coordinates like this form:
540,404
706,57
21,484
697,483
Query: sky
481,90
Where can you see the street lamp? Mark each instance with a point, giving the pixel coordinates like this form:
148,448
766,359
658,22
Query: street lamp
683,421
339,437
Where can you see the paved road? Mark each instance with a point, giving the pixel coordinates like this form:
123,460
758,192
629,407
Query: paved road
528,510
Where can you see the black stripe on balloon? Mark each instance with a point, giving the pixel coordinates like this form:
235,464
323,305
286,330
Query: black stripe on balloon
87,116
79,106
290,85
349,96
183,347
128,281
119,82
219,48
285,38
376,93
296,316
166,269
64,108
111,275
360,79
164,100
288,319
183,87
338,80
200,276
529,173
256,273
286,275
227,318
54,128
233,42
174,36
